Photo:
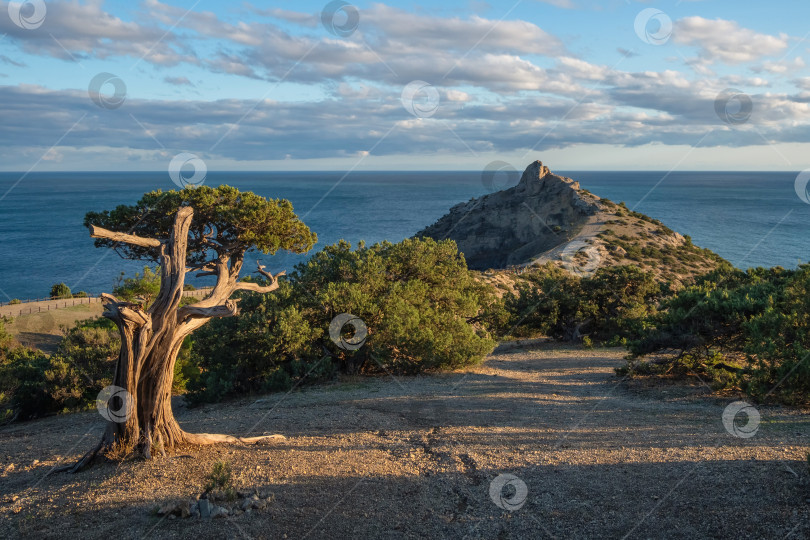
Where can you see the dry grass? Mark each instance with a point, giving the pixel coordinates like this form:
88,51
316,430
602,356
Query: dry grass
44,330
414,457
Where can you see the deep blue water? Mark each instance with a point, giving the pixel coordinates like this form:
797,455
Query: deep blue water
751,219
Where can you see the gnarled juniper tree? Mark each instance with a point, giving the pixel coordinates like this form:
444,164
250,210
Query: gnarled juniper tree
204,230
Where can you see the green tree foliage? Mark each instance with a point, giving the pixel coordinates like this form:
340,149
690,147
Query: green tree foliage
711,313
623,298
746,329
778,344
422,307
60,290
612,304
144,287
225,219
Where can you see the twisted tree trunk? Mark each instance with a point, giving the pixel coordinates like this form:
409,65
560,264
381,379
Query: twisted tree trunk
151,339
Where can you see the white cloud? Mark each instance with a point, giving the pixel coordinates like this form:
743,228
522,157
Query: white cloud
496,95
75,31
720,40
780,67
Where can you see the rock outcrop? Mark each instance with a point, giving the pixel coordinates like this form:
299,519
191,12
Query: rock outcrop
548,219
513,226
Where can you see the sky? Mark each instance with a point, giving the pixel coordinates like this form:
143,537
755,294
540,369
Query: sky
456,85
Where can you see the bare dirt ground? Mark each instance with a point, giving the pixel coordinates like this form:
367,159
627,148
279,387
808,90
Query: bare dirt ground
414,457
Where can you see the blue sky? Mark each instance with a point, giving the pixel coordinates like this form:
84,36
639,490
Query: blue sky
580,84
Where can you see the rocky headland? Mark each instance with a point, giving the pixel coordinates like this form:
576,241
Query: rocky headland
550,218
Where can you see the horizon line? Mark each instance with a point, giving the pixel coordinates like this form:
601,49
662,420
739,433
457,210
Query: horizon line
399,171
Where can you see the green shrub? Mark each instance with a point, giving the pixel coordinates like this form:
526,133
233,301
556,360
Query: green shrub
748,330
15,301
423,309
612,304
60,290
23,390
219,480
143,287
550,303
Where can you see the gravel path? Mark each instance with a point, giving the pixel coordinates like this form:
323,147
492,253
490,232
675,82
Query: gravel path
417,457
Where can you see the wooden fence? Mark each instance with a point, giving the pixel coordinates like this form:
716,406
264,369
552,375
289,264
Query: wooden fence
39,305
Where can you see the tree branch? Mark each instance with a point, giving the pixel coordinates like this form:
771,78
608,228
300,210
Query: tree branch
100,232
255,287
260,269
228,309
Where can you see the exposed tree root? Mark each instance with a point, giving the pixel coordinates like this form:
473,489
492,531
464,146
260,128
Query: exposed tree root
189,439
216,438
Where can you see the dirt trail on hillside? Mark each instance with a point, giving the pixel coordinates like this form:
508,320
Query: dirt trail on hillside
585,236
415,457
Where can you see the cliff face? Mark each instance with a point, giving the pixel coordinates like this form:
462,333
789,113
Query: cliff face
513,226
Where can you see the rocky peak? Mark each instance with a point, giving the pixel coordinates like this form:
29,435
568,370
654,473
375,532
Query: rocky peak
515,225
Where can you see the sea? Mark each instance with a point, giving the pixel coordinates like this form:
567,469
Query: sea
749,218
